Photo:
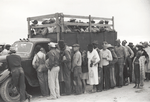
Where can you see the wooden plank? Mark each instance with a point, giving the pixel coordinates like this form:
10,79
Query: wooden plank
100,18
29,30
42,17
102,25
75,16
44,25
76,24
89,23
113,23
57,26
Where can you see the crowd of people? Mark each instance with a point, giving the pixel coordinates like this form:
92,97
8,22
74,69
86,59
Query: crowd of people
66,70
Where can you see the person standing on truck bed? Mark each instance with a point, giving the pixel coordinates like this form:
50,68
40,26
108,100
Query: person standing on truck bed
17,73
42,73
120,52
65,56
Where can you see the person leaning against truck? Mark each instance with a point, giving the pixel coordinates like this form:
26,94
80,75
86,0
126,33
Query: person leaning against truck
17,73
42,73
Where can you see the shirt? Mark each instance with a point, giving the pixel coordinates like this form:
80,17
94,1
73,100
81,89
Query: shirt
53,56
14,61
120,51
128,51
77,60
106,57
40,55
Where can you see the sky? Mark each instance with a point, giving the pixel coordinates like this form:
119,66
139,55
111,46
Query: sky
132,17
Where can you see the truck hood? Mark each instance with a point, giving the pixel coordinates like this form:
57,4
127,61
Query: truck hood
23,56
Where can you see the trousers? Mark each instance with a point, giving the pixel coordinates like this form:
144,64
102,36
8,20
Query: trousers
53,82
128,64
18,80
100,85
106,76
119,72
77,79
43,81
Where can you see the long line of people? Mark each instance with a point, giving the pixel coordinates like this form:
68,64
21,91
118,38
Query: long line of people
66,71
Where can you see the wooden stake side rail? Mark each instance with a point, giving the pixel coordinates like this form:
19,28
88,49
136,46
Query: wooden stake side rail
44,25
40,18
61,23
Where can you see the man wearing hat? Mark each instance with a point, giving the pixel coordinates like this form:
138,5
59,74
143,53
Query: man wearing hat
120,52
65,57
53,71
128,62
76,68
17,73
6,50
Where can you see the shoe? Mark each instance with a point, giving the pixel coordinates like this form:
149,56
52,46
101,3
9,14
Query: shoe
135,86
51,98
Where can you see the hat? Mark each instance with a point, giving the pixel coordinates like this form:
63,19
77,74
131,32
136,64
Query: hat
51,44
12,50
109,46
52,20
76,45
35,22
101,22
72,20
92,21
118,40
95,42
139,45
106,22
130,44
124,41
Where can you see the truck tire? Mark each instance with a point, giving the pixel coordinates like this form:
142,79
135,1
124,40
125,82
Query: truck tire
8,92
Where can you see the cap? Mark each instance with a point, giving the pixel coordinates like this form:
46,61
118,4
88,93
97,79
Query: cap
52,44
109,46
12,50
95,42
76,45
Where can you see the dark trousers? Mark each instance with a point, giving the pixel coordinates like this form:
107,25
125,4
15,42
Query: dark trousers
43,81
18,80
129,65
77,79
99,87
137,73
106,76
125,74
67,79
119,72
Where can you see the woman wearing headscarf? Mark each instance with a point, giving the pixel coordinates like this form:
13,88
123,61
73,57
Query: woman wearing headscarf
138,66
93,60
112,64
142,62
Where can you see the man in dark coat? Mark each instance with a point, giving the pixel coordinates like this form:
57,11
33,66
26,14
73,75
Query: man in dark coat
65,56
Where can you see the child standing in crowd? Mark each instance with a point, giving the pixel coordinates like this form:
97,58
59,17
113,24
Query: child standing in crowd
84,70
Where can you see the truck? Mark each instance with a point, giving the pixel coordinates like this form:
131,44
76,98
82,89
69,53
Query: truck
26,47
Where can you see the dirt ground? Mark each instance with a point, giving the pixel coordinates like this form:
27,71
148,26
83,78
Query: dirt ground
124,94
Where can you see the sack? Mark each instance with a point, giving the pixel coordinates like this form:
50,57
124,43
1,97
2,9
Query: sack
91,74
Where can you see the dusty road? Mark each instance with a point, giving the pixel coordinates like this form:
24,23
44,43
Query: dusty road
124,94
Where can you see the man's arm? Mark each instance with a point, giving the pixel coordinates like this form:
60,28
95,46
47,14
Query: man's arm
131,52
109,58
51,60
68,56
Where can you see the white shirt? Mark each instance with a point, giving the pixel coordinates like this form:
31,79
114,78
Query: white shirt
106,57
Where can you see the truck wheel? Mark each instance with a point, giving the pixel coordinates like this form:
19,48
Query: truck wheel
8,92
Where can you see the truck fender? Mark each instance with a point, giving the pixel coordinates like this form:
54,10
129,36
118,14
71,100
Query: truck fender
4,76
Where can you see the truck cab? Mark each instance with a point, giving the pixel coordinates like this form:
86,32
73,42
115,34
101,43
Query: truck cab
25,48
